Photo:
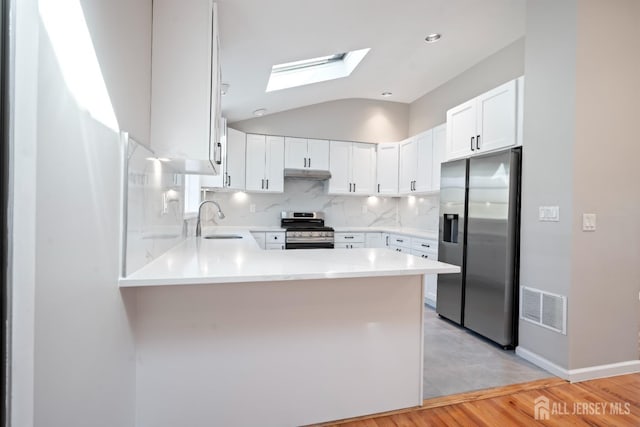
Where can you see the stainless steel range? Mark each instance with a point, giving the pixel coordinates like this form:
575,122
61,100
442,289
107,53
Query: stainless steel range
306,230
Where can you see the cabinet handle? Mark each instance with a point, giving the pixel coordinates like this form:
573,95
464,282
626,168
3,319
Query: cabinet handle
426,246
348,237
478,142
349,187
305,162
399,240
219,153
267,184
309,161
354,187
228,180
386,241
262,187
472,139
378,188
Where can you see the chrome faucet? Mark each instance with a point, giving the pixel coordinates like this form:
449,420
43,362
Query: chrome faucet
220,215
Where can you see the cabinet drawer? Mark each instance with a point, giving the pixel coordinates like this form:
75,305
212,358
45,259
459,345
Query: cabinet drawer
348,245
349,237
274,237
422,254
425,245
402,249
275,246
374,240
398,240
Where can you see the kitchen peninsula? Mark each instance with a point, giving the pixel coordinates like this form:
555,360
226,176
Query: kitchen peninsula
301,336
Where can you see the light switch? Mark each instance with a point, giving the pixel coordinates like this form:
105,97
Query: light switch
549,213
589,222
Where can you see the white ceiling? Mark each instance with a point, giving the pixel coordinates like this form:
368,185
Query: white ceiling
257,34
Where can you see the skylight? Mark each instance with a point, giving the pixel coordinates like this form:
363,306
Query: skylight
314,70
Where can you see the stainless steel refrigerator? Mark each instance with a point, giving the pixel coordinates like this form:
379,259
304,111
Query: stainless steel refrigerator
480,231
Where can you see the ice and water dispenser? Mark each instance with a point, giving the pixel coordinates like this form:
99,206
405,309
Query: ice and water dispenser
450,228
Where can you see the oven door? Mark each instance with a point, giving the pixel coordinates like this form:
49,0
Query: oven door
308,245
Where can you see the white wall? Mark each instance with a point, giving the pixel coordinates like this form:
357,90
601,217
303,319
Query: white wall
547,162
362,120
605,282
580,154
430,109
83,367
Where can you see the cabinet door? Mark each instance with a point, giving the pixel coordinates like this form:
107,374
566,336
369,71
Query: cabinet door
496,115
387,166
295,153
274,164
339,165
374,240
424,164
407,168
255,164
439,153
461,127
318,154
236,152
182,82
363,164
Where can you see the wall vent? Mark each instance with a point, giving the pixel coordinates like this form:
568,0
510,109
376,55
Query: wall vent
544,309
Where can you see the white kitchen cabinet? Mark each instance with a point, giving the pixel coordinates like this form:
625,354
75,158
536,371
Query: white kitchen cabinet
235,153
387,167
374,240
485,123
348,237
265,163
416,158
302,153
439,154
185,85
353,168
348,245
275,238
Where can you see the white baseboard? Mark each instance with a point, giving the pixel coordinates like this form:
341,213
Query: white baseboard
581,374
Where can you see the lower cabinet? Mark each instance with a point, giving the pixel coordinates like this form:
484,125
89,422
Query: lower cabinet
270,240
349,240
423,248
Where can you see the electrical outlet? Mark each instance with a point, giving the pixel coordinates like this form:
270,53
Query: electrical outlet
364,209
252,208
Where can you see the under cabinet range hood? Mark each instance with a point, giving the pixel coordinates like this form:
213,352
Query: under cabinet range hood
310,174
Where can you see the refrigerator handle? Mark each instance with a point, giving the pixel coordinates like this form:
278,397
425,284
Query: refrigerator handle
472,140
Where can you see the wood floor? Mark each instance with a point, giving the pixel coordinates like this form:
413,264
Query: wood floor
611,401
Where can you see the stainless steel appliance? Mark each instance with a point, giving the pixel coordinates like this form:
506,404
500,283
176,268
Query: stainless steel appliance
480,231
306,230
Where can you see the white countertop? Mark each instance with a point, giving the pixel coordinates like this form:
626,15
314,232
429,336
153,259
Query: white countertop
204,261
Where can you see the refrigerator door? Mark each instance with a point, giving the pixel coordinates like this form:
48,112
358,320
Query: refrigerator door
453,188
492,246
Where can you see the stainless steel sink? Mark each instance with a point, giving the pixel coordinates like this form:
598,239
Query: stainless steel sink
223,236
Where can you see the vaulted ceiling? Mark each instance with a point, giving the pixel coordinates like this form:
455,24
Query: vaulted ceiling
257,34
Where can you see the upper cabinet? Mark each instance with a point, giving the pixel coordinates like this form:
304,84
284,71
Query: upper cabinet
387,166
416,157
485,123
353,168
302,153
236,147
265,163
439,154
185,84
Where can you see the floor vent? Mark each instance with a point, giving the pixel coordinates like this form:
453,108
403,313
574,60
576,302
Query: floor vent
544,309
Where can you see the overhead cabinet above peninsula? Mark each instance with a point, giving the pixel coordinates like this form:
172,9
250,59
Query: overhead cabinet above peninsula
487,122
185,85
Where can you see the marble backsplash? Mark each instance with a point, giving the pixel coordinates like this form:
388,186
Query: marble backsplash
264,209
155,205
